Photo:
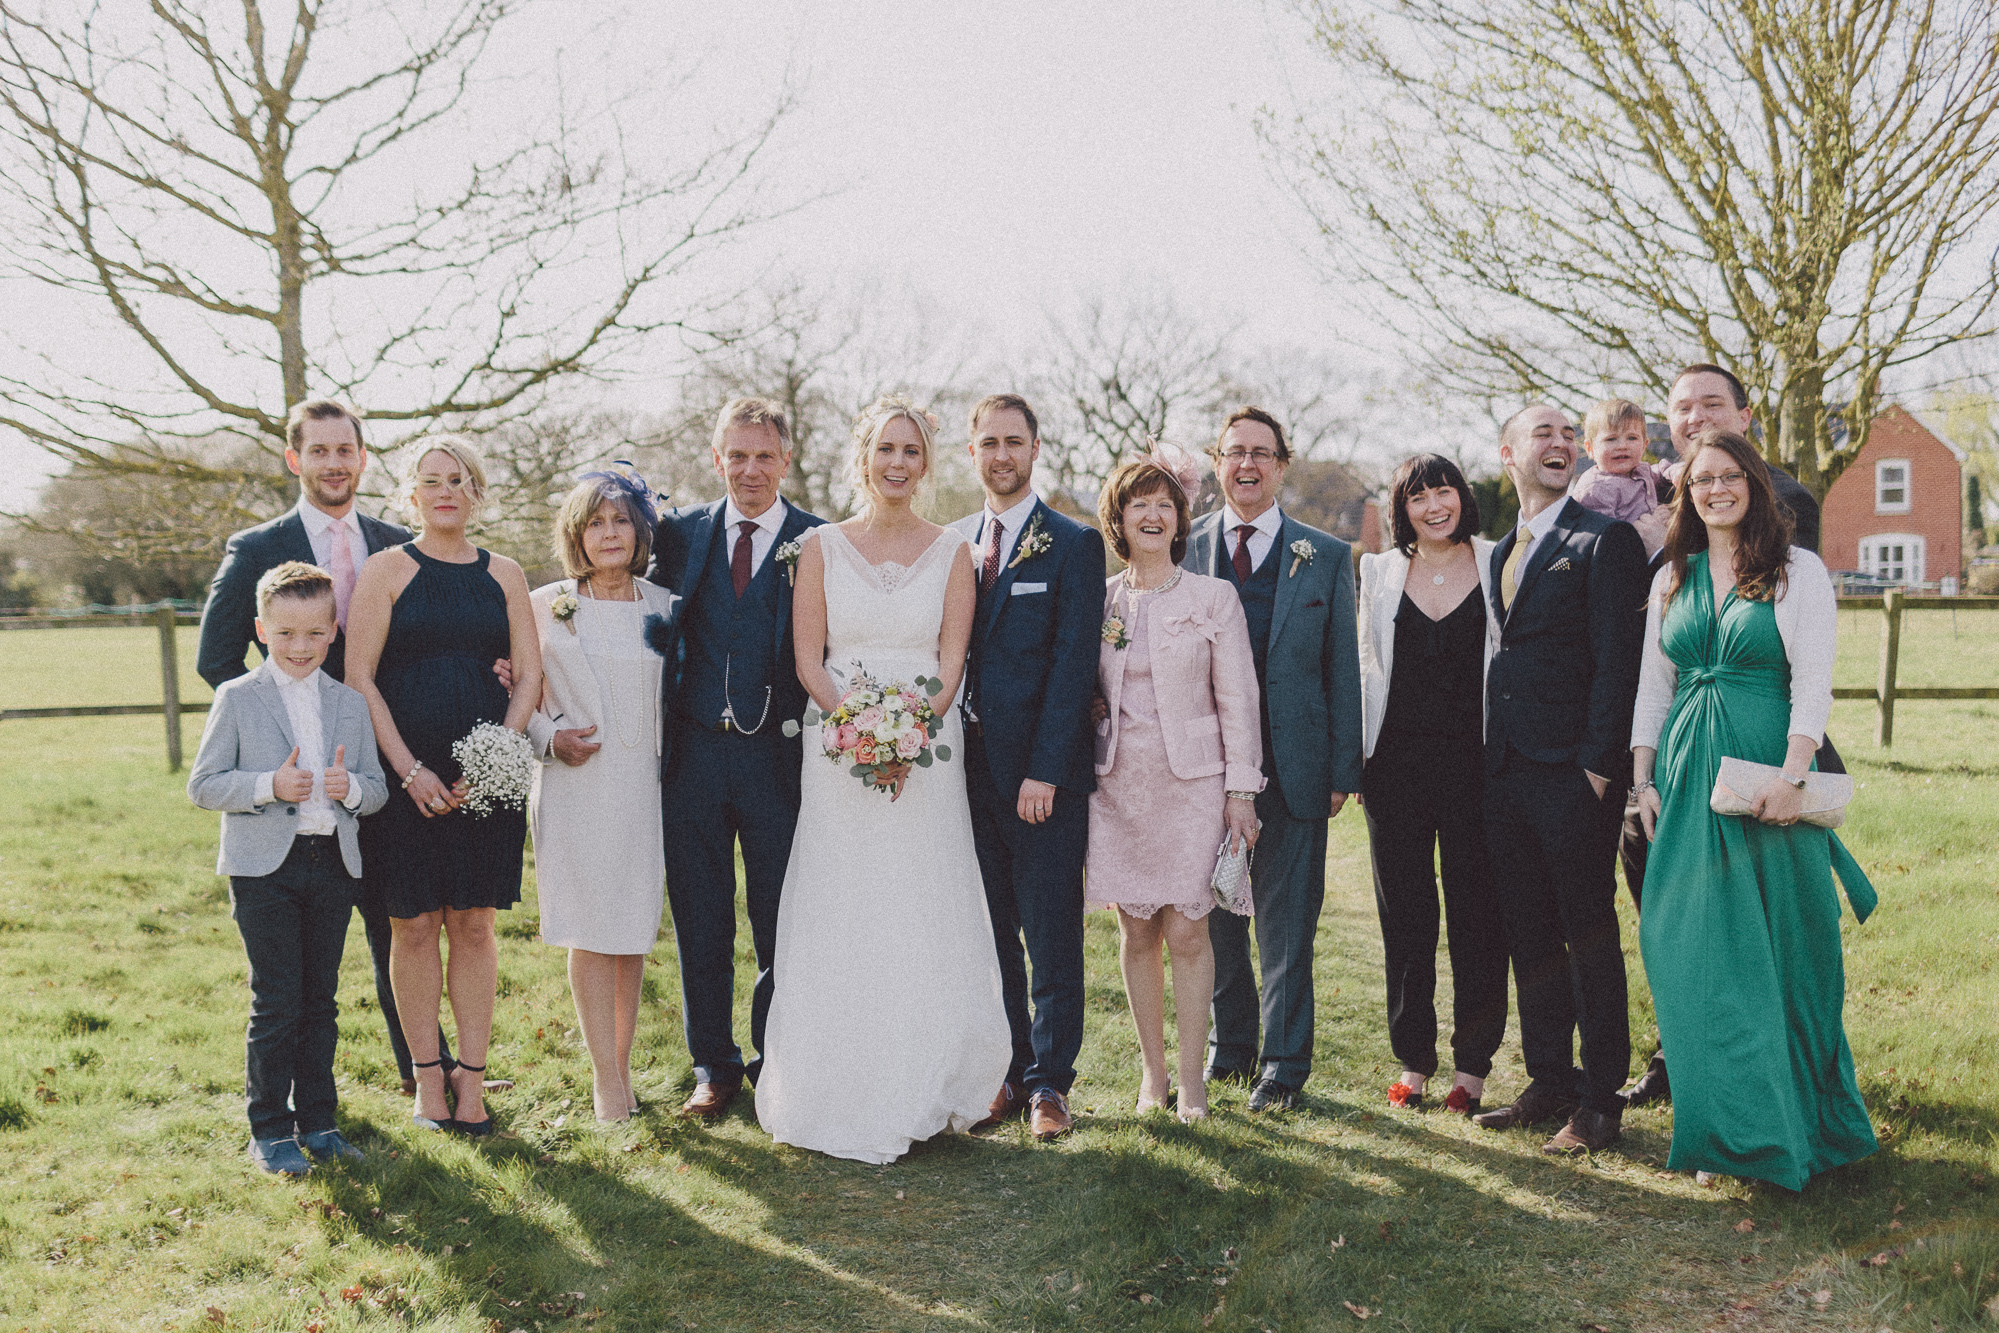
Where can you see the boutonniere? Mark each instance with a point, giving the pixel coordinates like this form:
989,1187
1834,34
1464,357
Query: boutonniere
564,609
787,555
1302,553
1032,542
1113,632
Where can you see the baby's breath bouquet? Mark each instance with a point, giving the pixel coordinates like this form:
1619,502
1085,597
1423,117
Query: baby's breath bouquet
498,765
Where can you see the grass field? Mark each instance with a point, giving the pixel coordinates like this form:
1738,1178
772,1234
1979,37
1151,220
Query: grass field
126,1202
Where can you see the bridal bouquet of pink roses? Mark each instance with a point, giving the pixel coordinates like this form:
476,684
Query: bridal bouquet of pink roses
882,731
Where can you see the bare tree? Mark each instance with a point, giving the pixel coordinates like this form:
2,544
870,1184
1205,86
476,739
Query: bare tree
1563,196
268,203
1117,372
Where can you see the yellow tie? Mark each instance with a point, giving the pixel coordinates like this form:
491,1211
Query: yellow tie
1509,573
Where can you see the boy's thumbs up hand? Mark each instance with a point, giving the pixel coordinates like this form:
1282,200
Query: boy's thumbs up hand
291,783
336,777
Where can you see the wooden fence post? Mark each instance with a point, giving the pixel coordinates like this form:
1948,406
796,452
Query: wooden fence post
170,684
1891,648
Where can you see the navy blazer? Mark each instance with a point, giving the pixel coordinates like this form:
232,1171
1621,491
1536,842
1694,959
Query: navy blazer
1562,687
229,618
680,546
1311,685
1033,663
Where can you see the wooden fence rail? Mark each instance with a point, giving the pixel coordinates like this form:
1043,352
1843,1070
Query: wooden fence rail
1892,604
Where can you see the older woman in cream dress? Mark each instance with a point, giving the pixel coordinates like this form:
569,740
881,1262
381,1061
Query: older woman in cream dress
1179,765
595,810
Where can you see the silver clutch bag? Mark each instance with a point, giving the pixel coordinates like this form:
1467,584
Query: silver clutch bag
1739,782
1231,878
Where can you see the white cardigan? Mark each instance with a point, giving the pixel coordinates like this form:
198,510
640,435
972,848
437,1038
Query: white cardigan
1808,620
1382,579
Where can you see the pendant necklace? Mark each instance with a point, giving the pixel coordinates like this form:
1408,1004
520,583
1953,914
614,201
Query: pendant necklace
1437,579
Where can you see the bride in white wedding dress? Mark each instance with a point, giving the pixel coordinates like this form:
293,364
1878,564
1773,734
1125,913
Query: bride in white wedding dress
886,1026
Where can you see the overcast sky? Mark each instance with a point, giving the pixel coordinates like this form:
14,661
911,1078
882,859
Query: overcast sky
996,161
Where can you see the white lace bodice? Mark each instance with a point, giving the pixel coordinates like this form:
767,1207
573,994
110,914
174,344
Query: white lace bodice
888,616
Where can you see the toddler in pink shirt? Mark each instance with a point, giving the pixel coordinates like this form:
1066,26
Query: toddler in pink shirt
1622,485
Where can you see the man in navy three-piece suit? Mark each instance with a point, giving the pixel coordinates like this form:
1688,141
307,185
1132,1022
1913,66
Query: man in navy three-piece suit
1030,757
324,446
730,775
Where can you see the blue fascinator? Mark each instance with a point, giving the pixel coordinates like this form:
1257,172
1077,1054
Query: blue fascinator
625,478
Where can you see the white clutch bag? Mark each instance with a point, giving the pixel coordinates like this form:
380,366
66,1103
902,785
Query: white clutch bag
1231,879
1740,781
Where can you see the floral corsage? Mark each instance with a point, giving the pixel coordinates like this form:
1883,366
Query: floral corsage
787,555
564,607
1113,632
1032,543
1302,553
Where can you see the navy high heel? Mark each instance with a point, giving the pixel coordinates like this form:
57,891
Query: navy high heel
479,1129
421,1120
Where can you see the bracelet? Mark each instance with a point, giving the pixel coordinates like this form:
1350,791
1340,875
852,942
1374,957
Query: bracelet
1241,795
415,768
1644,784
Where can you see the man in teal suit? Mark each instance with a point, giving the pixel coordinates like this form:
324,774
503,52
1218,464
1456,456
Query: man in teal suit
1297,589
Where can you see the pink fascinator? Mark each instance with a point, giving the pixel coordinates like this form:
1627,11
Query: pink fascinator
1176,463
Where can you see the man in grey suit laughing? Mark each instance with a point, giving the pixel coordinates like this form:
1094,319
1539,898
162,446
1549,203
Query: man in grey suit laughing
1297,589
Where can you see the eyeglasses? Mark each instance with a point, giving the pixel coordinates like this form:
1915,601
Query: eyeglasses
1260,457
1731,480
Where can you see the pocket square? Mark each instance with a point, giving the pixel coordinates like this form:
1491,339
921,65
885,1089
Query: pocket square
1560,565
1019,588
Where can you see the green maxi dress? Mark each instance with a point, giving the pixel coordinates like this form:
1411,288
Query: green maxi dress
1740,931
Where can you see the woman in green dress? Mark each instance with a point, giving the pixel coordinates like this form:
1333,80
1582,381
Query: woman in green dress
1741,931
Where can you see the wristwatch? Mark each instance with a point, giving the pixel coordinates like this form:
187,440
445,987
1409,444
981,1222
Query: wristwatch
1798,782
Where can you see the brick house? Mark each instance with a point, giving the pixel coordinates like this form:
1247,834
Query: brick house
1897,512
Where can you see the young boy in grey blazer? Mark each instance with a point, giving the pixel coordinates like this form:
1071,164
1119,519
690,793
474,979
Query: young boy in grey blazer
288,757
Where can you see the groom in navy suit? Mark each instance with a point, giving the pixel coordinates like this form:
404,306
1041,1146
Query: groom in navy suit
730,774
1029,761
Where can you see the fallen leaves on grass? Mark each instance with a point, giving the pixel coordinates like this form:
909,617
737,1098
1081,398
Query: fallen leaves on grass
1746,1225
1359,1311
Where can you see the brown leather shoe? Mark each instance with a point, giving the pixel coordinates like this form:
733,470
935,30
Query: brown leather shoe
1534,1105
710,1100
1007,1103
409,1087
1048,1115
1591,1131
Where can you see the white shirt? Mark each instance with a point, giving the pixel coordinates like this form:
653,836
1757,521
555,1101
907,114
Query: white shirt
301,699
1267,525
1015,518
1534,529
761,540
319,530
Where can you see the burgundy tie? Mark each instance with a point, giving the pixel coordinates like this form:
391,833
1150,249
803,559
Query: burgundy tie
1242,569
990,575
739,559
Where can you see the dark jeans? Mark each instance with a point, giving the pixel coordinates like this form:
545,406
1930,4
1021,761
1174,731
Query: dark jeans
1554,852
1034,889
294,927
1288,882
375,922
723,789
1422,806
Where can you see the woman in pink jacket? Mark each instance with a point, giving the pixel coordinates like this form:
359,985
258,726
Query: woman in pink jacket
1179,764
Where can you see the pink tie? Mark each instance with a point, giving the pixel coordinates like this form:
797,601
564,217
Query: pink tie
343,573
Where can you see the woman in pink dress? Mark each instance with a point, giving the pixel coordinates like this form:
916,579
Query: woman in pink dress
1179,764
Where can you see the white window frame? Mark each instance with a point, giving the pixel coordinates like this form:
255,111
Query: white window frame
1914,557
1882,484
